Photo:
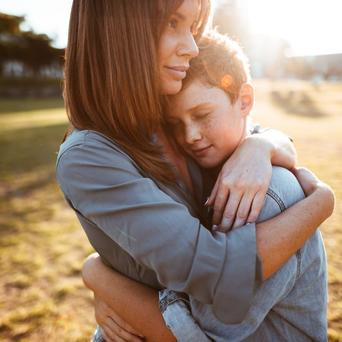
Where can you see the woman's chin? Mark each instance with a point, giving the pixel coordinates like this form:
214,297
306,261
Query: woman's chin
171,87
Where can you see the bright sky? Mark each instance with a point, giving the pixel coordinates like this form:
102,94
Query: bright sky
43,16
310,26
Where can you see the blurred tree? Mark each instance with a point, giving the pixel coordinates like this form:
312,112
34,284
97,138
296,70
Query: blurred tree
38,53
33,51
10,23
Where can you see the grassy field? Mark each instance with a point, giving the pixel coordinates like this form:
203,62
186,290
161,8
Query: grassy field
42,247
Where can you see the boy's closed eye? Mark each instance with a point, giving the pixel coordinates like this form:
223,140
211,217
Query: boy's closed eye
201,115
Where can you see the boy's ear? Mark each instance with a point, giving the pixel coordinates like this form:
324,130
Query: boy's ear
246,96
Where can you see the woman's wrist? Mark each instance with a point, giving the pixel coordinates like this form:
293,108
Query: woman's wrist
325,195
276,145
261,145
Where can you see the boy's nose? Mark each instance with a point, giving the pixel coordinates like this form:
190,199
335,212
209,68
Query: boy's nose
192,135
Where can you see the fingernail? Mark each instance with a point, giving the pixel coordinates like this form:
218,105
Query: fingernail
225,223
214,228
206,202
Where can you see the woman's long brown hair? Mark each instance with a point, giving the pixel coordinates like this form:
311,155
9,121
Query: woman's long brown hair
111,73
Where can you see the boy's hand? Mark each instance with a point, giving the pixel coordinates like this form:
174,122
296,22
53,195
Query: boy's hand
240,189
113,328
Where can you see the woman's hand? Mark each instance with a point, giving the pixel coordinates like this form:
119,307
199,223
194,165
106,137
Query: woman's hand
113,328
307,179
239,192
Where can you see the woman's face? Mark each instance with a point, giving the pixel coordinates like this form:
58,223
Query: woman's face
177,46
206,124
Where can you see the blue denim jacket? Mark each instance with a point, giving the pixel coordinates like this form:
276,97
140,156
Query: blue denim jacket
289,306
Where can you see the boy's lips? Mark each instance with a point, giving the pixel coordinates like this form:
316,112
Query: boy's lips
200,152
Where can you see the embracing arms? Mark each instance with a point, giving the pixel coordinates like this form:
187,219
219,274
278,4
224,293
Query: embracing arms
239,192
119,300
117,204
109,294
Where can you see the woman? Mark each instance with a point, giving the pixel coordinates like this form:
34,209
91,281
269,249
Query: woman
122,56
208,119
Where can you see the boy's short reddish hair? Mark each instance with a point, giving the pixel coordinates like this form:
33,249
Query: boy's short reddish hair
220,63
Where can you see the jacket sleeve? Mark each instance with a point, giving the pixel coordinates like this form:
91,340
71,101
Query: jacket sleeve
106,188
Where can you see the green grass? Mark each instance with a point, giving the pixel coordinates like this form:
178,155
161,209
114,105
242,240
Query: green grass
42,246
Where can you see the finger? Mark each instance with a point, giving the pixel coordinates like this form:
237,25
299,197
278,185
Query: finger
221,198
118,331
258,203
211,198
230,211
106,337
123,324
243,210
108,332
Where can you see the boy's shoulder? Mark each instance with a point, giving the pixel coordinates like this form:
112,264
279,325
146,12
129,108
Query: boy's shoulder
284,191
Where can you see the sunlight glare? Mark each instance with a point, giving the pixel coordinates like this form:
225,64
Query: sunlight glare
310,26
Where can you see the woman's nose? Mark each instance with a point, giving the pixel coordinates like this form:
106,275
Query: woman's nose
188,47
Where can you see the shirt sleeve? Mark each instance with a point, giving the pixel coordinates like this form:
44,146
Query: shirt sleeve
107,189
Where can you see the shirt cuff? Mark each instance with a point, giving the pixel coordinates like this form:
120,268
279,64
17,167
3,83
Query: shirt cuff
235,289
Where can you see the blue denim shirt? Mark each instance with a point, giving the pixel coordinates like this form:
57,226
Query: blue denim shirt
289,306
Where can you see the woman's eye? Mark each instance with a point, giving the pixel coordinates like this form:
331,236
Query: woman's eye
173,23
172,124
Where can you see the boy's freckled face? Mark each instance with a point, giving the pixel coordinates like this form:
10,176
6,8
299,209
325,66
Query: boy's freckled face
206,124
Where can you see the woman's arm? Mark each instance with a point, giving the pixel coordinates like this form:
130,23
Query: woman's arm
120,208
281,236
133,302
272,245
282,149
240,189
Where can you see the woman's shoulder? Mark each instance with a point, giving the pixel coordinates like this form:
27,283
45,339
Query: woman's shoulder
86,152
86,139
90,143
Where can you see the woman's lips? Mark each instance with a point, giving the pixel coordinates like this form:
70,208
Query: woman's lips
178,72
201,152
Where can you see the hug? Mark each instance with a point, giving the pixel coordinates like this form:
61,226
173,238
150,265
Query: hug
199,237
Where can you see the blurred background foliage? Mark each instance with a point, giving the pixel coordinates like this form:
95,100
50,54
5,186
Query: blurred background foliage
29,65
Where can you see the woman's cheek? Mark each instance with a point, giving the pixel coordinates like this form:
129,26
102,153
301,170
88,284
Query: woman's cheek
179,136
